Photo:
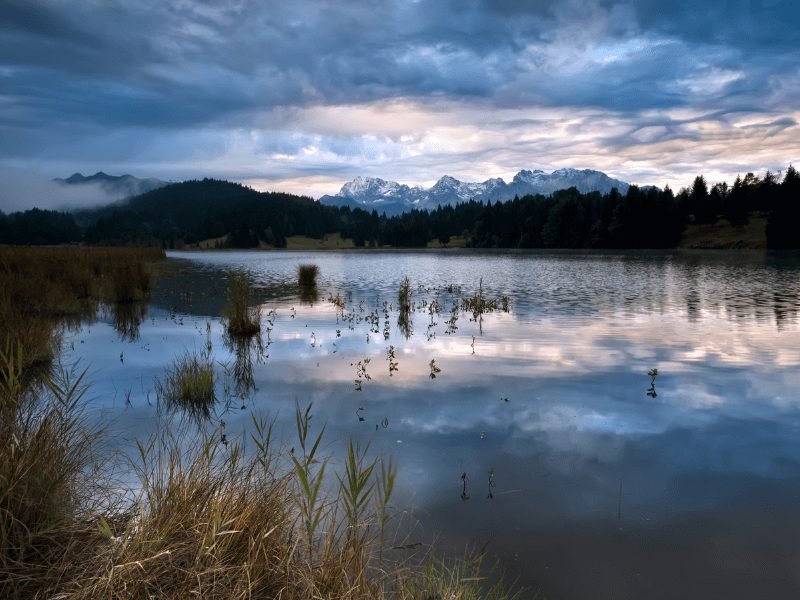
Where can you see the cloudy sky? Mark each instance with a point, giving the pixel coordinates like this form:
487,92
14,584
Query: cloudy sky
303,95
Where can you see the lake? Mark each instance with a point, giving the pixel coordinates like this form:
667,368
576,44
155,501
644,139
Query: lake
536,432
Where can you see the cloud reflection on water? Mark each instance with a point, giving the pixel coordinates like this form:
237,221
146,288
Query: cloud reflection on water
553,400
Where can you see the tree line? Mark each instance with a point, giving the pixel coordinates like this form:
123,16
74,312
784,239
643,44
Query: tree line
240,217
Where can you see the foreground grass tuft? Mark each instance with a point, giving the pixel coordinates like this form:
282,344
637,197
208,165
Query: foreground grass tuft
206,519
45,488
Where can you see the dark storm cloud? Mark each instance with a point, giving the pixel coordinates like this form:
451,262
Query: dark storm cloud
90,80
758,25
190,62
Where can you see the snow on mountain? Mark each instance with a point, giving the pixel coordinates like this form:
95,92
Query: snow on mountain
394,198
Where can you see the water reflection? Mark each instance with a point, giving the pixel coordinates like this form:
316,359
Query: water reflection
590,481
309,295
247,351
127,318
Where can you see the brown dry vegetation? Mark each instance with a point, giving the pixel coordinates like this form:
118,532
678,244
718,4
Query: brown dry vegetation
40,288
203,518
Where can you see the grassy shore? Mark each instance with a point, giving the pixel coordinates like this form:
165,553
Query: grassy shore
203,517
724,236
42,289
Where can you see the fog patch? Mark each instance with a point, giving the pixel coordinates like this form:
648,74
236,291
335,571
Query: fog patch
22,190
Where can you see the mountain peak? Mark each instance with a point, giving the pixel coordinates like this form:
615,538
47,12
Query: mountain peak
394,198
446,180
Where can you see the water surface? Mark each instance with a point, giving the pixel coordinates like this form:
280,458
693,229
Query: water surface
541,438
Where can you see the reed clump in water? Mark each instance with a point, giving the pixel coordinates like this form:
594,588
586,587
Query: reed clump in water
307,276
241,319
188,385
307,280
404,321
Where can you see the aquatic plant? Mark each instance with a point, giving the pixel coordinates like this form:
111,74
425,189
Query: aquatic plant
355,490
127,317
404,295
392,358
464,495
435,370
478,304
246,351
452,322
361,373
188,385
308,481
651,391
307,276
340,305
241,319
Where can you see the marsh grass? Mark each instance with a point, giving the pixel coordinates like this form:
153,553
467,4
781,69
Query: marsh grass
202,519
127,318
241,319
188,386
41,287
46,489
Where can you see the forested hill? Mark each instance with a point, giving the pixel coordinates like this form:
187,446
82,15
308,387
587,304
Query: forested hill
236,216
188,212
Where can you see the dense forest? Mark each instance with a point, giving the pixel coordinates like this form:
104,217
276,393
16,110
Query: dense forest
240,217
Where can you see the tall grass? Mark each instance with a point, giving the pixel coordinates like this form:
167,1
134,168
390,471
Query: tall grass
45,489
39,287
241,319
207,519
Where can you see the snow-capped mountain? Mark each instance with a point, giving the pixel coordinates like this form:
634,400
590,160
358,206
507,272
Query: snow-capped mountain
394,198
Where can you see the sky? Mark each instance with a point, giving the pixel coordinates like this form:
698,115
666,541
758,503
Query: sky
302,96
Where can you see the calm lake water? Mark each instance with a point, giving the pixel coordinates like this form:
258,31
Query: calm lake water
541,438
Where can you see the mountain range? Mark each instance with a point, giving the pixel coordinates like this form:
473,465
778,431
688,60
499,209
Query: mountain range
393,198
116,186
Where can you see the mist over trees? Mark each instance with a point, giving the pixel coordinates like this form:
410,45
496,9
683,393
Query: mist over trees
239,217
